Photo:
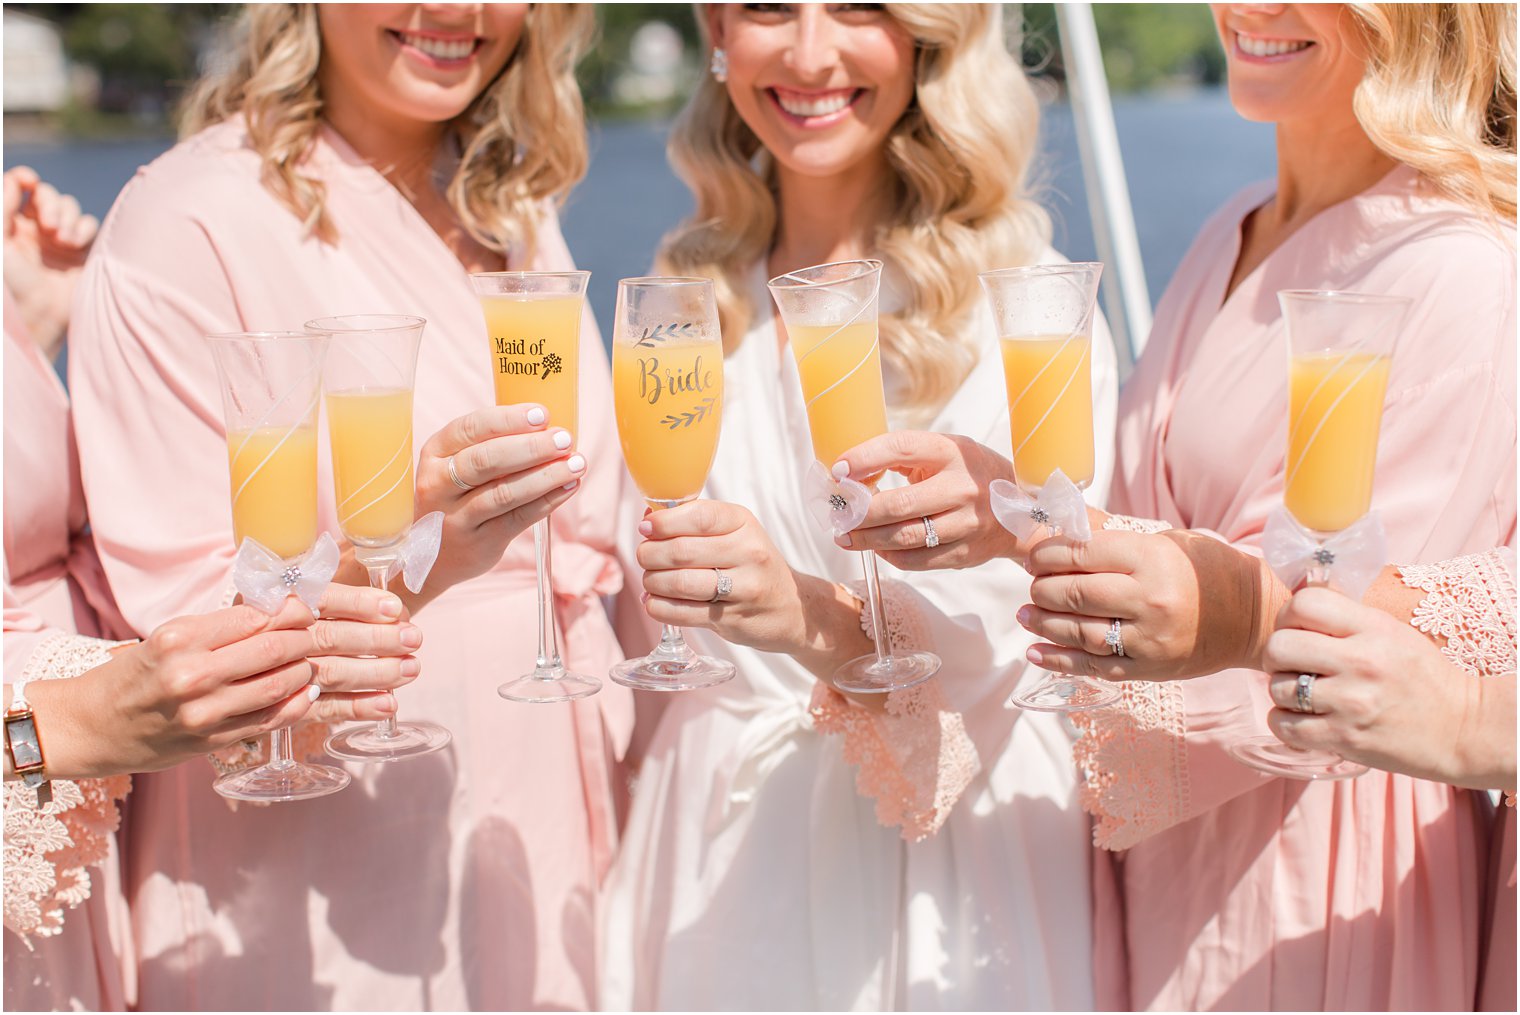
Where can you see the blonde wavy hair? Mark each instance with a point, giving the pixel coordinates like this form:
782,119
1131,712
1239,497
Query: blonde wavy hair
960,203
522,141
1439,96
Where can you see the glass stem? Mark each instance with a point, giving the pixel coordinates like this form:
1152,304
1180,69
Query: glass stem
879,633
549,663
279,749
387,726
672,647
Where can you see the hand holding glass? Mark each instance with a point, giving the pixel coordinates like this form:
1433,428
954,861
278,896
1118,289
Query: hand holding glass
533,324
271,385
1339,353
667,387
830,314
1044,315
370,374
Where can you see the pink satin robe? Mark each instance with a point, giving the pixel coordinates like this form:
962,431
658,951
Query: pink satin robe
1243,891
464,879
54,585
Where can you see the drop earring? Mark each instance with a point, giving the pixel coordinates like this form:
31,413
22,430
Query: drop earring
719,65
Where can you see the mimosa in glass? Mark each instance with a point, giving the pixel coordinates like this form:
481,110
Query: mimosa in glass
830,315
533,327
271,384
370,374
1050,410
1044,315
274,487
1340,346
371,434
840,370
667,387
1335,409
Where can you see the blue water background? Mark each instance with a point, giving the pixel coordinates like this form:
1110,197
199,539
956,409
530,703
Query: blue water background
1184,155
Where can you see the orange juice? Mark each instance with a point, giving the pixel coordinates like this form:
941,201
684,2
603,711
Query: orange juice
840,368
1050,410
371,434
669,401
535,351
274,487
1335,409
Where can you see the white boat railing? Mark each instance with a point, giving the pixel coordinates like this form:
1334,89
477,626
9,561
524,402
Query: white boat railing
1125,294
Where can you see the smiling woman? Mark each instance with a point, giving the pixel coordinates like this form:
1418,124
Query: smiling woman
790,849
447,55
915,165
791,96
365,159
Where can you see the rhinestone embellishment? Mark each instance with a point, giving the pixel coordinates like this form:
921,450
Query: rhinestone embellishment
1040,515
837,502
291,576
1324,557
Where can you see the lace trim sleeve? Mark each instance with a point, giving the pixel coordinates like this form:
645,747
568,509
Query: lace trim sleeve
49,850
1131,756
1133,762
1127,523
915,759
1469,606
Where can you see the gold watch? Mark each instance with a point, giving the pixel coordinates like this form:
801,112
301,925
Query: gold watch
24,745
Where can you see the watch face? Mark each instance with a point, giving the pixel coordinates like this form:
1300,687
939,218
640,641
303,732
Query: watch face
25,751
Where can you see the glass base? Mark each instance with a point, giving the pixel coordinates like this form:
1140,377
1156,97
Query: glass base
286,780
869,675
549,685
1271,755
1056,693
651,674
373,742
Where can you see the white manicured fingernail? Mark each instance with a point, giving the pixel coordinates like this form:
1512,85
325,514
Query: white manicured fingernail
537,416
577,463
841,470
313,692
571,485
562,439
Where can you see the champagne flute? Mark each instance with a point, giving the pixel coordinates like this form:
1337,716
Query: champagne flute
830,314
271,385
369,377
1340,347
1043,314
533,322
667,387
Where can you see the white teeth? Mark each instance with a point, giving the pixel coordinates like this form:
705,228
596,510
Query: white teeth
815,107
1268,47
439,49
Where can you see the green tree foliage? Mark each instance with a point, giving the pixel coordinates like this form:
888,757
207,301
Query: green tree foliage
139,50
1144,45
616,24
146,53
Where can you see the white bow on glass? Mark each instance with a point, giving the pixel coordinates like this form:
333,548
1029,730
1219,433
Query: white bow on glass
1058,504
837,505
265,579
1351,558
417,553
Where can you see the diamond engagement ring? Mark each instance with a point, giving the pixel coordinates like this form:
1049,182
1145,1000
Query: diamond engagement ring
466,487
931,538
1114,638
724,587
1303,694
